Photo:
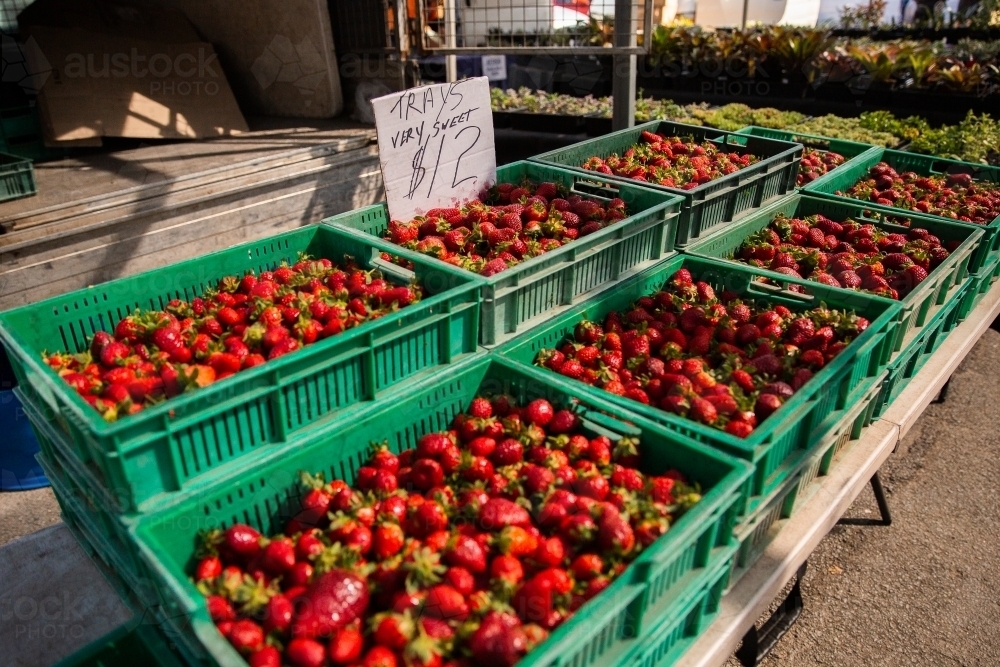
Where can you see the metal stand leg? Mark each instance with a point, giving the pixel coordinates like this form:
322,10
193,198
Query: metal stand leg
758,643
883,508
943,394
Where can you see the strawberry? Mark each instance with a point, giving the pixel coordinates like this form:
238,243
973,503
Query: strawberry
446,603
346,645
614,532
499,512
335,599
220,609
266,656
305,652
393,631
499,641
465,552
246,636
387,540
379,656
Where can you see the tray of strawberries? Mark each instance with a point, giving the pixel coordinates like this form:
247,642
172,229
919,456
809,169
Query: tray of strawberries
486,516
820,155
959,192
540,239
158,379
915,259
765,372
721,175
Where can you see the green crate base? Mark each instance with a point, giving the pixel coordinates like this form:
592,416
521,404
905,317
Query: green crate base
267,492
917,306
138,594
665,644
125,647
184,441
710,205
778,443
919,348
523,295
843,178
852,150
982,282
17,178
755,531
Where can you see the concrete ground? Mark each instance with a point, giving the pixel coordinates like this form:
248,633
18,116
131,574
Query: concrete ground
919,592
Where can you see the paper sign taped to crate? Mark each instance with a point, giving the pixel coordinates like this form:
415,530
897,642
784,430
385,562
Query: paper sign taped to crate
436,146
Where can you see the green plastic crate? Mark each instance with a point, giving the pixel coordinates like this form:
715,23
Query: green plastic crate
779,442
604,631
171,446
17,177
712,204
917,306
125,647
671,639
842,179
516,299
849,149
912,358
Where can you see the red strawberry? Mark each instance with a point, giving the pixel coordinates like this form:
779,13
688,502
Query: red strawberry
267,656
394,631
387,540
464,551
304,652
499,512
446,603
346,645
246,636
499,641
334,600
379,656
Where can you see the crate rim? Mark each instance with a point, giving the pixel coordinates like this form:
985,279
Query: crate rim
721,137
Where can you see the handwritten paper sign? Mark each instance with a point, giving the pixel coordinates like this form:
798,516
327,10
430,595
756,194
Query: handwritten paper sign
436,146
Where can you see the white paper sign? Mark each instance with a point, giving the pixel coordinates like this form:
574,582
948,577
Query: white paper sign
435,145
495,67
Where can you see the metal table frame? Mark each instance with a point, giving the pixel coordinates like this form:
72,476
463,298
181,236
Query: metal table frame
822,505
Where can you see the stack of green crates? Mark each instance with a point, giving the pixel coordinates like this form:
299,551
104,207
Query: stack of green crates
232,452
177,445
609,629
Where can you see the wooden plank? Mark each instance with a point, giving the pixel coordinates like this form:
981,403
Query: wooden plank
26,236
94,182
830,496
187,231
